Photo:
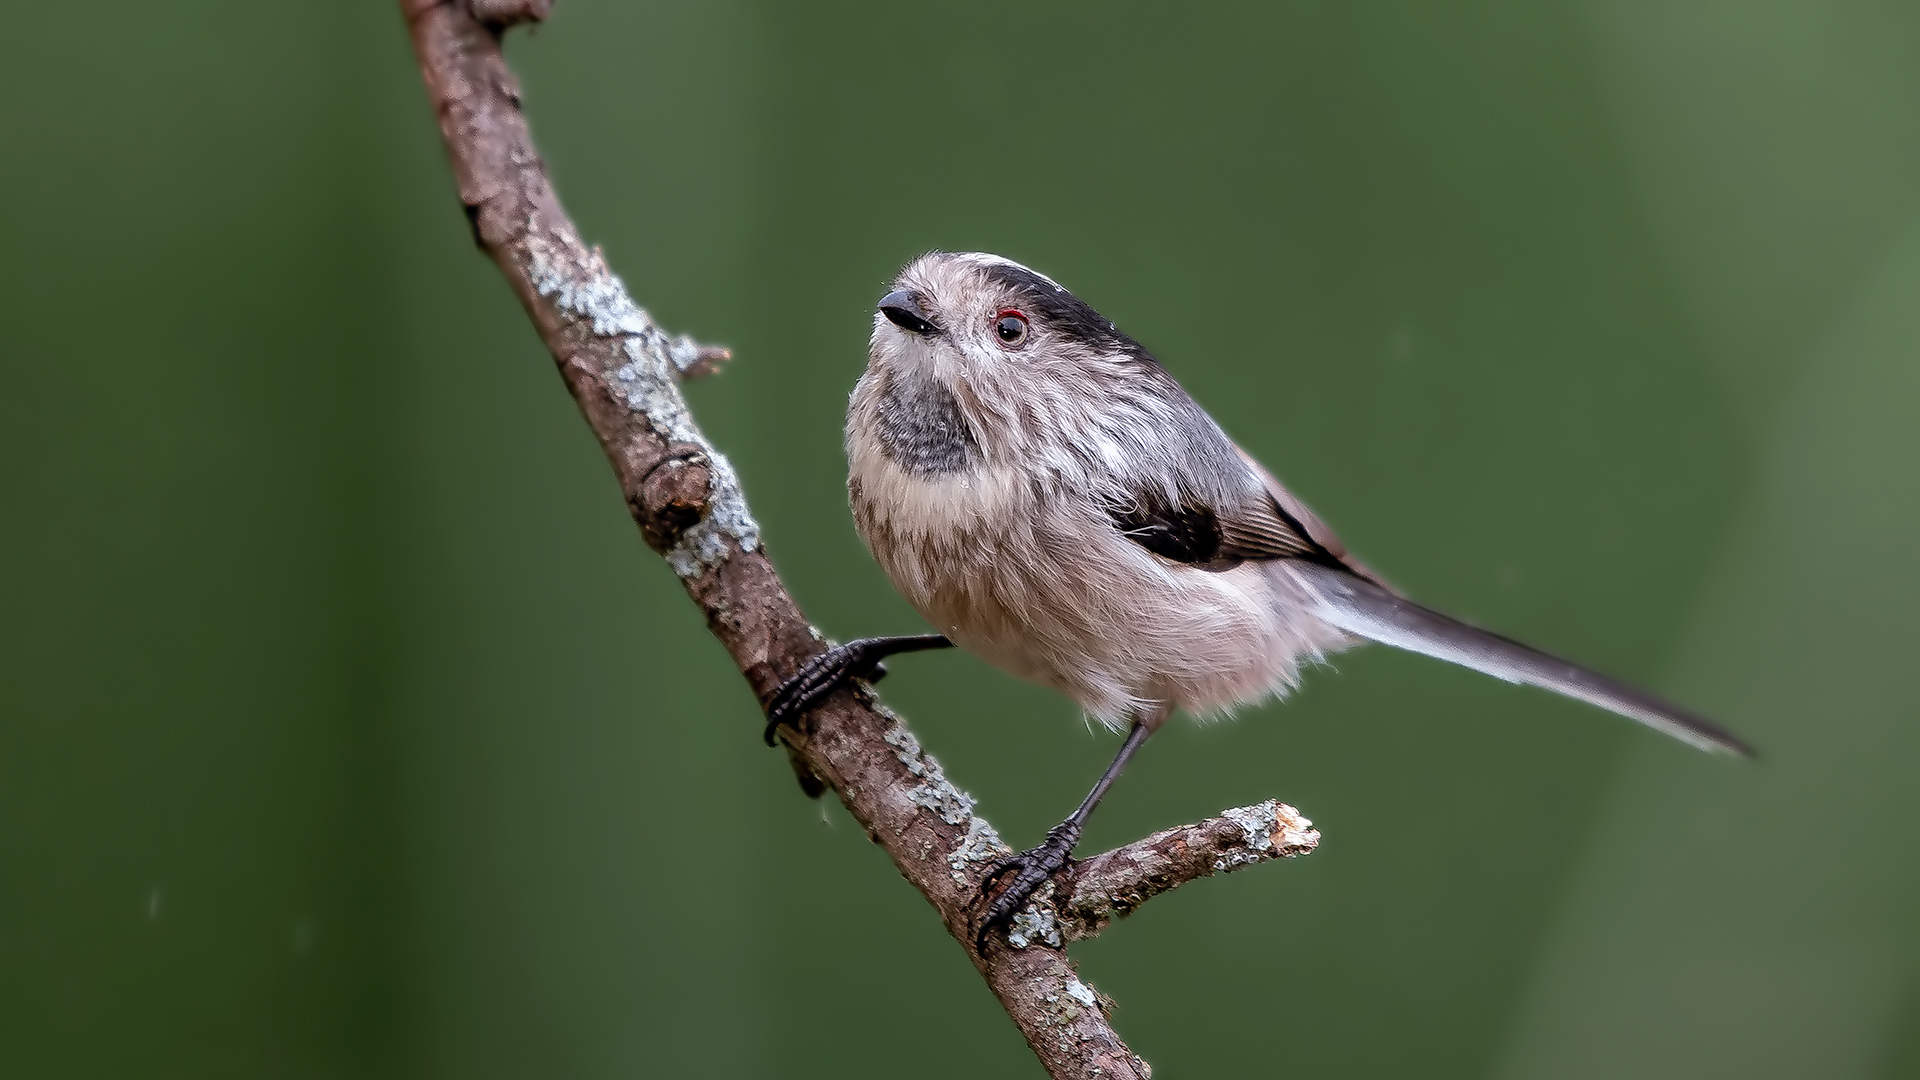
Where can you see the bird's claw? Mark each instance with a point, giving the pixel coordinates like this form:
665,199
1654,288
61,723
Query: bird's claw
1024,874
818,678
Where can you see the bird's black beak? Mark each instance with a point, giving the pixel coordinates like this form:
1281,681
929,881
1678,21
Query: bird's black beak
904,310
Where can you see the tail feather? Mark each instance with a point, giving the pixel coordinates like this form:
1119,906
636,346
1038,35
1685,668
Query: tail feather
1366,610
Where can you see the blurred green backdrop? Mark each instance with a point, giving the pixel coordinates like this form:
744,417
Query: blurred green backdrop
347,729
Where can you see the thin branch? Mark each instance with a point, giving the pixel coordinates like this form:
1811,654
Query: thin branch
624,371
1115,884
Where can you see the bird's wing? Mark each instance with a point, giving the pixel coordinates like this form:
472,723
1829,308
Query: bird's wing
1285,528
1267,523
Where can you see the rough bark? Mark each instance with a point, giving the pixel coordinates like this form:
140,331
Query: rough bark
624,372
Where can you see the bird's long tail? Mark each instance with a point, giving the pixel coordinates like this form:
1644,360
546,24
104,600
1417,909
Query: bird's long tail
1366,610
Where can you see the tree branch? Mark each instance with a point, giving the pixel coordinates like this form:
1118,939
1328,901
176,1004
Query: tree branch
1113,885
623,371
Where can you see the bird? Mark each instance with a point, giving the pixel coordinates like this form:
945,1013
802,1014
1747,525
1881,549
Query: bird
1039,487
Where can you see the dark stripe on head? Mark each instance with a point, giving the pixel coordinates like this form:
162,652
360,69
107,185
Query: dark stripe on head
1062,312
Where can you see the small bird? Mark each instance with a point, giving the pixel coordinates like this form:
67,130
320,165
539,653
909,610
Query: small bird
1036,484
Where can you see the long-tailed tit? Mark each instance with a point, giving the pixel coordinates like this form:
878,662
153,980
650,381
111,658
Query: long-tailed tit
1039,487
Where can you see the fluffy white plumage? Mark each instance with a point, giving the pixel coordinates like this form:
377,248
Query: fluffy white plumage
1014,554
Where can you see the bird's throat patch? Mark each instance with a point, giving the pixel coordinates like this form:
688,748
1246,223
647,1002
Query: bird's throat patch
921,427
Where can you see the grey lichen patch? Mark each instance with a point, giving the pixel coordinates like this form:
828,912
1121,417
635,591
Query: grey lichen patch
905,746
980,846
1037,922
1272,829
936,793
1258,823
593,292
1075,1000
947,802
594,295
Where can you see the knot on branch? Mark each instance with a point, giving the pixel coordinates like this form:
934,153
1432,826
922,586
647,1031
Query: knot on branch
694,360
497,15
673,496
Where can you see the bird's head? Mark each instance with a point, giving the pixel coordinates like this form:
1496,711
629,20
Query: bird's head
977,359
993,323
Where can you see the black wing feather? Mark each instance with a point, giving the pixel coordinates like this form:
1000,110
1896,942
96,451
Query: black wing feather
1183,533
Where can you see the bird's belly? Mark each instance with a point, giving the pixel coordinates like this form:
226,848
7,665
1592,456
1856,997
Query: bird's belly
1049,591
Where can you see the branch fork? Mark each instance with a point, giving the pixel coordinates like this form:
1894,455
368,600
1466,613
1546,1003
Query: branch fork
624,372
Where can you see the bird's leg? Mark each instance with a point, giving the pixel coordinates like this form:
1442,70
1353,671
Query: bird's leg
832,669
1027,871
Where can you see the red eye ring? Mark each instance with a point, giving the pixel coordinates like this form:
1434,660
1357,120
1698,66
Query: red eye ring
1010,326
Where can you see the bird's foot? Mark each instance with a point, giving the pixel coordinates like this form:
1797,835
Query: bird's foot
1024,874
832,670
819,677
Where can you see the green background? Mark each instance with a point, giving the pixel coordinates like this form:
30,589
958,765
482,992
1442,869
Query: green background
347,728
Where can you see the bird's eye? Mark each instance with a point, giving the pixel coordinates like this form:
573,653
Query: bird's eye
1012,328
